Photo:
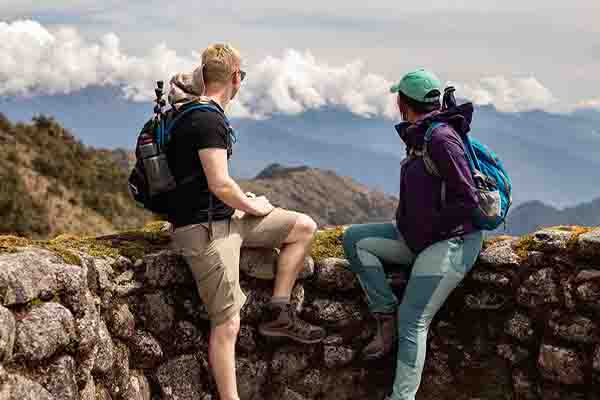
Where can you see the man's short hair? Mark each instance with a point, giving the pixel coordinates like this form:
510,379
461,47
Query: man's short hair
419,107
219,62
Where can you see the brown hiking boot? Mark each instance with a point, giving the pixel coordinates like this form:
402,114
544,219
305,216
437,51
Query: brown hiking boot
283,321
384,339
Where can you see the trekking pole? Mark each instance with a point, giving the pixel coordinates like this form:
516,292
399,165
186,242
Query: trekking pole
449,99
158,110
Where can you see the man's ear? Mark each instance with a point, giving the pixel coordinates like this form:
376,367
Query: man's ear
236,78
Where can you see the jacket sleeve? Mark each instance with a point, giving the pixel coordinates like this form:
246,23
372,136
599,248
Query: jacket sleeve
447,151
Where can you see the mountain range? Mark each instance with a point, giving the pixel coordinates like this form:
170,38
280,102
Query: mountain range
551,158
53,184
531,216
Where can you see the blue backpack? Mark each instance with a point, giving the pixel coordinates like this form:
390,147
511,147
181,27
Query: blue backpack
494,187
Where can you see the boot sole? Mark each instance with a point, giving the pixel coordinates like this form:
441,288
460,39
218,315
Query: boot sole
277,334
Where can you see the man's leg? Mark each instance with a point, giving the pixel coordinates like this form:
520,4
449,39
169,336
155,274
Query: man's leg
292,233
215,267
366,247
221,355
292,256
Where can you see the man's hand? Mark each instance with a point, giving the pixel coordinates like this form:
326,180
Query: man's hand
261,206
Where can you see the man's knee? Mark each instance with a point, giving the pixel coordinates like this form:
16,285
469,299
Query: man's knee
305,228
229,329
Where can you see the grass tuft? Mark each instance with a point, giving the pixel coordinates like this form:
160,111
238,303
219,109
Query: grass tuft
328,243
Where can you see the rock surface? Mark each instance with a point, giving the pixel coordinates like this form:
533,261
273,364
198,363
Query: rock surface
561,365
182,378
43,331
523,325
7,334
17,387
34,274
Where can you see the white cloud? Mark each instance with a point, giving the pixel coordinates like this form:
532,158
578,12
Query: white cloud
509,95
298,82
592,103
35,60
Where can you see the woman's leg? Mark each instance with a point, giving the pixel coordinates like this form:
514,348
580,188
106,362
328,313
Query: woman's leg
435,274
366,246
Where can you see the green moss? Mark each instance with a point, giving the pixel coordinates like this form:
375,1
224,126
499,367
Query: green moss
9,244
492,241
35,302
89,245
563,228
131,244
155,227
573,243
328,243
526,244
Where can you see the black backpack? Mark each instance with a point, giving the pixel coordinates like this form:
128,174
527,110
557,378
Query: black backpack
151,180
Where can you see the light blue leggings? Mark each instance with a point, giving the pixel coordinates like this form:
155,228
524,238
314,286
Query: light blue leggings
436,272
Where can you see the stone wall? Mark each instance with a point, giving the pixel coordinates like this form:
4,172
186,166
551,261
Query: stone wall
524,325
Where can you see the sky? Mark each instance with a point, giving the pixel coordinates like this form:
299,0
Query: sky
517,55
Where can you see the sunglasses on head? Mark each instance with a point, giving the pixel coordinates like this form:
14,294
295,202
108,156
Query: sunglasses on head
242,75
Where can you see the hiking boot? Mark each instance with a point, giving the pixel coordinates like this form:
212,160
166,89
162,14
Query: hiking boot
283,321
384,339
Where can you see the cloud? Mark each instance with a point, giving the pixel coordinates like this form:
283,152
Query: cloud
35,60
297,82
589,104
509,94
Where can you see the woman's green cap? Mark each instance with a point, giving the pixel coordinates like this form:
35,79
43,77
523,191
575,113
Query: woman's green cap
420,85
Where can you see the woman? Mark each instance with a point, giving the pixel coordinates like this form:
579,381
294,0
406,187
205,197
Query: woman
434,237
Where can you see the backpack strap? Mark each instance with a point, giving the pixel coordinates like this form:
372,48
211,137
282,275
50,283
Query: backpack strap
204,107
429,164
171,125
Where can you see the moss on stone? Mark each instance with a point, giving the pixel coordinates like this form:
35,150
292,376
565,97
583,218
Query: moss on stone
573,243
35,302
131,244
155,227
328,243
562,228
10,244
495,240
526,244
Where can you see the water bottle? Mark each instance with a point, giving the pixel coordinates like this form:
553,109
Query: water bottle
159,175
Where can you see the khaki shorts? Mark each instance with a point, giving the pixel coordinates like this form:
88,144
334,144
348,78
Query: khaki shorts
216,265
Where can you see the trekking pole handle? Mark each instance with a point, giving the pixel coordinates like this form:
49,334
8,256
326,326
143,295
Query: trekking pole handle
160,102
449,99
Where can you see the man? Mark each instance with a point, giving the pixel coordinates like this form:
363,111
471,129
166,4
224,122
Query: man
213,218
434,237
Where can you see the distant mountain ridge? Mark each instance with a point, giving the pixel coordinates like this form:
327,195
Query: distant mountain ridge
53,184
531,216
549,156
330,199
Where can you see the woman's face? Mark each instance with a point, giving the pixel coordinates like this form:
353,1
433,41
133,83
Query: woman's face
402,108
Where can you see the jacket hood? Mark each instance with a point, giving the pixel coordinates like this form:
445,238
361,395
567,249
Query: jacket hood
459,118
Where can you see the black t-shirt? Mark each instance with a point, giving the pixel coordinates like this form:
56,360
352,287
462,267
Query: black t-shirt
189,202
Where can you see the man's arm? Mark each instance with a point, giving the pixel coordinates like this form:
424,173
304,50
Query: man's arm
214,163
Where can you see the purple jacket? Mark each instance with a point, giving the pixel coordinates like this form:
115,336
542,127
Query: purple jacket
420,216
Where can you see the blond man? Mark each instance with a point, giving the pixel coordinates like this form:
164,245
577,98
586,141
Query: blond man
213,218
